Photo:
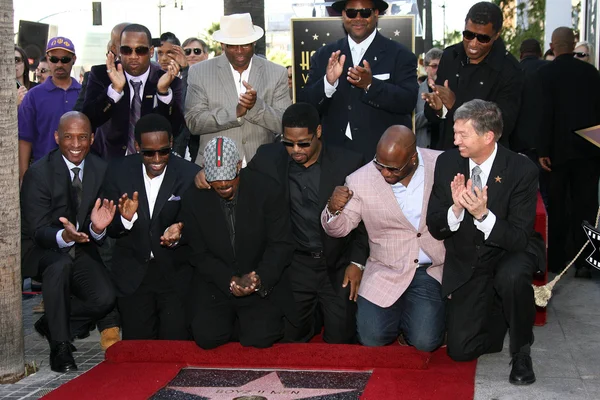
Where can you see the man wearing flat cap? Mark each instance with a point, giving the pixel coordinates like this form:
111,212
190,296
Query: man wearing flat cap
237,94
364,83
43,106
239,243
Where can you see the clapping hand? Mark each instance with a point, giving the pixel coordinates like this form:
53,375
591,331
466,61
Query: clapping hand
115,73
128,207
102,214
335,67
172,235
70,233
445,94
360,76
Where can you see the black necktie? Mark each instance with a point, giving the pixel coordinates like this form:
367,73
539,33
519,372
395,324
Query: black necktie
77,186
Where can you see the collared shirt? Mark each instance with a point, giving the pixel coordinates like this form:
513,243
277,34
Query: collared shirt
238,78
229,207
40,112
410,200
116,96
304,202
488,223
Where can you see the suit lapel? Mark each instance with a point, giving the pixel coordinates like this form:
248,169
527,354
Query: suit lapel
149,91
428,168
387,197
63,177
375,51
137,169
256,76
89,189
226,78
499,166
166,188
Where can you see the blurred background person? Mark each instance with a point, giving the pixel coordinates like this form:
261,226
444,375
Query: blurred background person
196,50
582,52
42,72
22,74
424,129
549,55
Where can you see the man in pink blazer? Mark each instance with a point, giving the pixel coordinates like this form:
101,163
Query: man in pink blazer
400,293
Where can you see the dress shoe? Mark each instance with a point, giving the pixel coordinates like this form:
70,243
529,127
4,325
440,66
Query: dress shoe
522,370
61,357
41,327
109,336
583,272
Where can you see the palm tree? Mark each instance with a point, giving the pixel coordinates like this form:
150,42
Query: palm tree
12,364
256,8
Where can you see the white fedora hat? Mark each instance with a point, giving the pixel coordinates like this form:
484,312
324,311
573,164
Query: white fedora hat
237,29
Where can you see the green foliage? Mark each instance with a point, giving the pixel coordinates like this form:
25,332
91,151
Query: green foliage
451,38
279,57
529,16
213,47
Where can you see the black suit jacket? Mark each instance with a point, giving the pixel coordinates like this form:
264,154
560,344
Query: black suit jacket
263,241
512,198
47,195
101,109
390,100
571,102
132,249
336,164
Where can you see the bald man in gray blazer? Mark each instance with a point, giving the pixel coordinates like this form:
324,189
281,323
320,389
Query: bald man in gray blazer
237,94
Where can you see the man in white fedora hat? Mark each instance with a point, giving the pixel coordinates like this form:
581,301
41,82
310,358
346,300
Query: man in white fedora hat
237,94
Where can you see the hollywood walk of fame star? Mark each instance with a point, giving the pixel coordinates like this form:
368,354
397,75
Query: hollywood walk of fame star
396,32
594,237
498,179
315,37
269,386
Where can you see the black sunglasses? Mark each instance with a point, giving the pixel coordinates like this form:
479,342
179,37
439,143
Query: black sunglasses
140,51
481,38
161,152
364,12
302,145
18,60
197,51
580,54
64,60
42,70
393,170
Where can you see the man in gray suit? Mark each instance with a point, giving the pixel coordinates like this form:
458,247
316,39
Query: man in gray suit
238,94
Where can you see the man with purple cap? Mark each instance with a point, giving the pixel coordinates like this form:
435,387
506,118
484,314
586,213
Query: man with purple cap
43,106
239,242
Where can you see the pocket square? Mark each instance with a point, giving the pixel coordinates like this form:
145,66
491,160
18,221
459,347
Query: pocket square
174,198
382,77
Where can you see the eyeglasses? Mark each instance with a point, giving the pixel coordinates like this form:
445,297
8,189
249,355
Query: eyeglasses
393,170
18,60
64,60
197,51
432,65
580,54
165,151
42,71
481,38
241,46
302,145
364,12
140,51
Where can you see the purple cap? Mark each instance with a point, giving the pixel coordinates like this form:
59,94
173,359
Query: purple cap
60,42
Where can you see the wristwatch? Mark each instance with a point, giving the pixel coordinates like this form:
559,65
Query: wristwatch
483,217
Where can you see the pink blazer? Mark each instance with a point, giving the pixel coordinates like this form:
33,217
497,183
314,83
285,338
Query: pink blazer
394,242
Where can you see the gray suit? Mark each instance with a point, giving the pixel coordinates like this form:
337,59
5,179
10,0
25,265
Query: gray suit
212,99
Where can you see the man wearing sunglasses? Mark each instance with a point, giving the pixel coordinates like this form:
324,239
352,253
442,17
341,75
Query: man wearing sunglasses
147,186
44,104
400,293
571,102
325,271
237,94
42,72
125,89
478,68
363,83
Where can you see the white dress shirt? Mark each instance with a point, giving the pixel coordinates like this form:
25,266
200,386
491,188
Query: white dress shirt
488,223
238,78
358,50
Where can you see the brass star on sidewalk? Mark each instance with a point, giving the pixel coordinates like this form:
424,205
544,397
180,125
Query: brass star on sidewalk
498,179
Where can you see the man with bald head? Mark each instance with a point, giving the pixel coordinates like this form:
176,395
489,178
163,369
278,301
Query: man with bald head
62,217
400,293
571,102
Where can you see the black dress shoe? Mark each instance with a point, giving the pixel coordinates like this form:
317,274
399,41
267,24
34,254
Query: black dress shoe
41,327
61,357
522,370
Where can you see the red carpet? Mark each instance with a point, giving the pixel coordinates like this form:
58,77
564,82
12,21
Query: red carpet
137,369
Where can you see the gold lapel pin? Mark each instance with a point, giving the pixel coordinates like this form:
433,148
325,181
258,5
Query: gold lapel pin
498,179
149,96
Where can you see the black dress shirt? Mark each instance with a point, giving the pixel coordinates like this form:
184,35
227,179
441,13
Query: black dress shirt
304,200
228,207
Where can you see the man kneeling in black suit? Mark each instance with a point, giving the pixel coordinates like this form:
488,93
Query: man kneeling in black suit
240,246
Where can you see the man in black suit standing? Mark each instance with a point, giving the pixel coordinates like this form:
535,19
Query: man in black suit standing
120,93
240,246
147,279
61,215
570,90
361,84
483,207
325,271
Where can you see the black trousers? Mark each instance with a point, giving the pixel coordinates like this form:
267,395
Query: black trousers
77,291
313,290
154,311
494,299
572,198
221,318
